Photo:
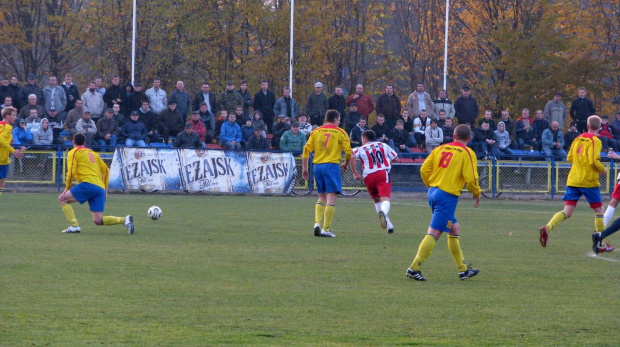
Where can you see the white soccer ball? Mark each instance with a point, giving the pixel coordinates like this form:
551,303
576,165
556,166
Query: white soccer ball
154,212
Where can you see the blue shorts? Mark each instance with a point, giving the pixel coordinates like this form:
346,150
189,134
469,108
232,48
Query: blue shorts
593,196
327,177
95,195
4,171
442,206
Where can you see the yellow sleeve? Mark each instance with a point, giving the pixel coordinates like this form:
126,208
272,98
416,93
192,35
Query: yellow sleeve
596,157
470,174
6,136
346,146
427,169
105,172
71,166
309,147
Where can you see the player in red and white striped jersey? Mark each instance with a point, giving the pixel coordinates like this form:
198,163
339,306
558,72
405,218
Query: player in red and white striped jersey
376,158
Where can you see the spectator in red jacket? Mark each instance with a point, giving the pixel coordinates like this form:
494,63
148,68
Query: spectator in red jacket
365,106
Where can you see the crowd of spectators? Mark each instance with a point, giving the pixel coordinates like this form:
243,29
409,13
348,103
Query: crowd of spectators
236,119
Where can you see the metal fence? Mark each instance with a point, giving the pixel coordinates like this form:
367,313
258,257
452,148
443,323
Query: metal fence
48,168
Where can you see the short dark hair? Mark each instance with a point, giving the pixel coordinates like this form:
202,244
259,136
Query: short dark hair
331,115
381,115
79,139
369,135
462,132
400,121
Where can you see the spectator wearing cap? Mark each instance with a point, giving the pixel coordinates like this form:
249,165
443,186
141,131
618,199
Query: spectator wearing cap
115,94
247,130
365,106
605,134
317,105
71,92
555,110
304,126
188,138
87,127
570,135
107,131
149,118
615,126
199,127
54,95
182,99
257,141
264,101
170,121
28,89
134,131
466,108
230,134
279,128
293,140
205,95
21,134
420,100
287,105
230,99
73,116
56,123
337,102
137,97
351,119
32,105
93,100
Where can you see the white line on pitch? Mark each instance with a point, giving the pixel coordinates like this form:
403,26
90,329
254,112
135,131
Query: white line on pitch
592,255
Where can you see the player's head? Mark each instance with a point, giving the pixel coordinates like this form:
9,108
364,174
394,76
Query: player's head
368,136
462,132
332,116
8,111
594,123
79,139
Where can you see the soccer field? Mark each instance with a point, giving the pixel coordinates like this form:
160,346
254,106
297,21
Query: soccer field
246,270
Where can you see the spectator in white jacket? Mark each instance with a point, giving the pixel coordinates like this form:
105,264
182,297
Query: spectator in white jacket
434,136
158,100
93,101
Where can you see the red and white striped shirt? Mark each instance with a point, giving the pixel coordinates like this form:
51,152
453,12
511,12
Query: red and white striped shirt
375,156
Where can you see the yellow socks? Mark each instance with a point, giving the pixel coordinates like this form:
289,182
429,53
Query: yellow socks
330,210
424,251
457,254
319,210
67,210
599,222
110,220
556,220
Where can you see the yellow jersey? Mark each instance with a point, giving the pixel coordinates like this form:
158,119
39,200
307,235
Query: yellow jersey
86,166
450,167
585,155
6,138
327,142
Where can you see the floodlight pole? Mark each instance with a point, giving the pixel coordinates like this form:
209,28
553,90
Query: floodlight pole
290,60
133,45
445,46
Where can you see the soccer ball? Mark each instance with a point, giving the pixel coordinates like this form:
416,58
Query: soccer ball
154,212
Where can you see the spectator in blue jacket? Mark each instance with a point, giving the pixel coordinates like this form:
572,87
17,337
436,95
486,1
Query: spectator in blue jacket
230,134
286,105
553,142
134,131
21,134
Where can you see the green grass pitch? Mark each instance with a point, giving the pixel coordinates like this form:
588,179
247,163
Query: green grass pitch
246,270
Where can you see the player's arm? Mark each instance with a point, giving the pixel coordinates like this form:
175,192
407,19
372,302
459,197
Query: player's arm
308,148
356,174
470,175
427,169
596,158
345,143
71,167
105,172
6,144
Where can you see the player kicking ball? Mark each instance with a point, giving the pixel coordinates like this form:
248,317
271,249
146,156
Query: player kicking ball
376,158
92,175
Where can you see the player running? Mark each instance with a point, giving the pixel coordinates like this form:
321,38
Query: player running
92,175
583,179
444,173
376,158
327,142
9,115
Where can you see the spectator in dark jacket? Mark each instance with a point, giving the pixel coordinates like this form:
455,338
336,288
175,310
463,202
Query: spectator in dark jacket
524,128
389,105
56,123
170,121
337,101
247,98
134,131
181,98
209,99
466,108
352,118
30,88
540,125
114,94
264,101
486,141
317,105
382,130
356,133
107,131
615,126
71,92
208,118
409,128
448,131
570,135
581,109
137,97
149,118
188,138
247,130
257,141
230,99
400,137
279,128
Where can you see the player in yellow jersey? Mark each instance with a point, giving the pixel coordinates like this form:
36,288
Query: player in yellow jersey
583,179
444,173
327,142
9,115
92,175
